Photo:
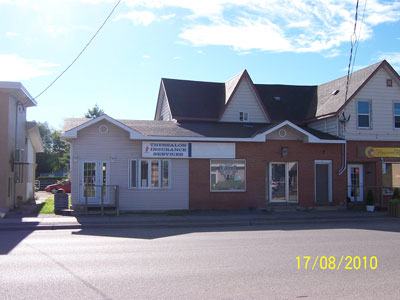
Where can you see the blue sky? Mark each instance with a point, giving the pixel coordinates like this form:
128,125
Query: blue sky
287,42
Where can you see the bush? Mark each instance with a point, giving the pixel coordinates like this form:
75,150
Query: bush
370,198
396,194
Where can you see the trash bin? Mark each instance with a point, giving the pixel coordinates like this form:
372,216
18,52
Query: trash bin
60,201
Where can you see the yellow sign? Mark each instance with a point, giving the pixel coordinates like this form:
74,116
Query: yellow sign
382,152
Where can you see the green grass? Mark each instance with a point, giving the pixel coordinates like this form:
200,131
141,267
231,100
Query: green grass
48,206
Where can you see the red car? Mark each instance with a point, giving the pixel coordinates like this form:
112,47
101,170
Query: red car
65,185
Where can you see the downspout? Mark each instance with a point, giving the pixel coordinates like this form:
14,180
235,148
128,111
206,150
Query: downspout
344,158
15,148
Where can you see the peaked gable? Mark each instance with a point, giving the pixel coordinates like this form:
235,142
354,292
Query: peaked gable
243,97
331,104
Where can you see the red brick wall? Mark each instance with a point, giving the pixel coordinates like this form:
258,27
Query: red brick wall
257,156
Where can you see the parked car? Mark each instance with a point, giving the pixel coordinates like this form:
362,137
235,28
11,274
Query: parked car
65,185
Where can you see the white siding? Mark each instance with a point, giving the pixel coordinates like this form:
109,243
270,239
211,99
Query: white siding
328,125
291,134
244,100
165,110
91,145
381,98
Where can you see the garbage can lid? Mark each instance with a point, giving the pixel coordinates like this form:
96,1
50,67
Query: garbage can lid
60,191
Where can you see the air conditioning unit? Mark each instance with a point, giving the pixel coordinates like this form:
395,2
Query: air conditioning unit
19,156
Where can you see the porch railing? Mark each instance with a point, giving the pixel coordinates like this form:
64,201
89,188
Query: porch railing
380,193
110,191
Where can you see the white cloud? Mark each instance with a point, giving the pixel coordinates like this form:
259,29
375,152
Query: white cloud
138,17
146,56
392,57
16,68
168,17
200,51
275,25
12,34
177,57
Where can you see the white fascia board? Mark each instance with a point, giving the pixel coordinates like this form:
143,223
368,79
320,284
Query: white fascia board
73,133
310,137
200,139
34,136
18,90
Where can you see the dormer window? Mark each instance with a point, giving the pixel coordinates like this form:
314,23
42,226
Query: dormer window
244,116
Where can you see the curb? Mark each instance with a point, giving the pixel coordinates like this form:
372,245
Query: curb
186,224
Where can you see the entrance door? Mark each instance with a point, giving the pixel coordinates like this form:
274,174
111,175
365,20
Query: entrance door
355,182
323,181
283,182
94,181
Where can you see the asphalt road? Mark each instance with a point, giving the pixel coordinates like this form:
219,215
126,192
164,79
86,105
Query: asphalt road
199,263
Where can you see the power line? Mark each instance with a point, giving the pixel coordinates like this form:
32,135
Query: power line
359,35
353,42
83,50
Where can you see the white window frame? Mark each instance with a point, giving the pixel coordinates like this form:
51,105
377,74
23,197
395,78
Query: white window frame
363,114
394,115
244,119
231,191
138,174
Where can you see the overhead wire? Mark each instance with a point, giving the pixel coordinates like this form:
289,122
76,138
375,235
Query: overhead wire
81,52
353,40
358,38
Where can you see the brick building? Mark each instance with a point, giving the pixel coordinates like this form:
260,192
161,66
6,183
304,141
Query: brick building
240,145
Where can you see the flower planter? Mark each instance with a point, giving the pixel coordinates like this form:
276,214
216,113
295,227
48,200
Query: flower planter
370,208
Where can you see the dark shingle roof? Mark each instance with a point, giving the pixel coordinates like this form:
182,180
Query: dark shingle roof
206,100
195,129
195,99
329,103
293,104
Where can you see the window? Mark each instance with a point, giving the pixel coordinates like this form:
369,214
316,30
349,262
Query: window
243,116
390,177
227,175
363,114
396,112
389,82
152,174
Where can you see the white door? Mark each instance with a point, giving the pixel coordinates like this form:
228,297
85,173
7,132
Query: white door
355,182
94,181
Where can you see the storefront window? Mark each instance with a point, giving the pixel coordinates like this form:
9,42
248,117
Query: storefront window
390,177
151,173
227,175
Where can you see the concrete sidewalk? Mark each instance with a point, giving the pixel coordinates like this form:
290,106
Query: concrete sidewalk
185,219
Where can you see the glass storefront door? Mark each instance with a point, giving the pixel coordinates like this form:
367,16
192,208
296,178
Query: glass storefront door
283,182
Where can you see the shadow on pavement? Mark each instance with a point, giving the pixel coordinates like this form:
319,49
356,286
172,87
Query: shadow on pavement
150,233
10,239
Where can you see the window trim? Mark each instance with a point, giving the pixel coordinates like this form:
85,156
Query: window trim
244,120
394,115
369,115
138,174
230,191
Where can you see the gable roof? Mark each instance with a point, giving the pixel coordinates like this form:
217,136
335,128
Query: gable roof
233,85
197,130
328,103
207,101
73,125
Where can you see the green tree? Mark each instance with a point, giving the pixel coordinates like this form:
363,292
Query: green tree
56,151
94,112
